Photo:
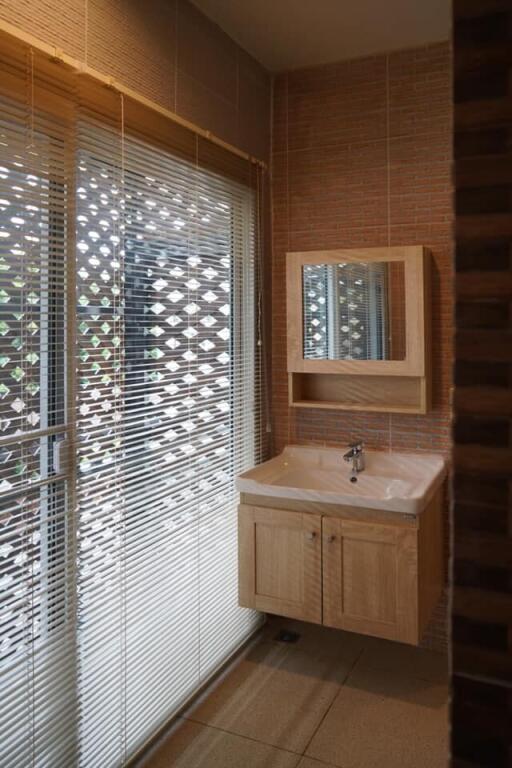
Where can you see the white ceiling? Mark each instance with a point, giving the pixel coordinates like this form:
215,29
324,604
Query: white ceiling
288,34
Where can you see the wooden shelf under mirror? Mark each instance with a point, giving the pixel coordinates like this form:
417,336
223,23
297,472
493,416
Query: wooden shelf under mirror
358,325
399,394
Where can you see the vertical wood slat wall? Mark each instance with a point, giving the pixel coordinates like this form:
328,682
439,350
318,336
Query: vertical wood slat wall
482,488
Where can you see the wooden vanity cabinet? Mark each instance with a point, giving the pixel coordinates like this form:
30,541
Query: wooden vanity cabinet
362,575
280,556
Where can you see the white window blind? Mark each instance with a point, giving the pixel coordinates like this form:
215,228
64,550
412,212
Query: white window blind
129,402
167,420
38,712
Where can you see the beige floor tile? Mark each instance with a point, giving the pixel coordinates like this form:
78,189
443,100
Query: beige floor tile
398,684
317,640
308,762
383,719
407,659
275,695
199,746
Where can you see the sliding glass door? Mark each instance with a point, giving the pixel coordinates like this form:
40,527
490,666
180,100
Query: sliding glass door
167,419
129,402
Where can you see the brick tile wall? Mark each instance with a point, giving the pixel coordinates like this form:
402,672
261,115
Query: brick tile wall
362,156
165,50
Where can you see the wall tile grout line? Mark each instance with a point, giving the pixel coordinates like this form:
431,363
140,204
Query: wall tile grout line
388,159
176,56
380,139
86,32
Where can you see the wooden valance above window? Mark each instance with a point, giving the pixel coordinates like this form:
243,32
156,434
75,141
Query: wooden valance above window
54,82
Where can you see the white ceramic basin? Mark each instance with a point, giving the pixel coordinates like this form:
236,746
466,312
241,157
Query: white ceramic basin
398,482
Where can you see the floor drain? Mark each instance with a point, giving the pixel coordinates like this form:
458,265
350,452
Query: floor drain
286,636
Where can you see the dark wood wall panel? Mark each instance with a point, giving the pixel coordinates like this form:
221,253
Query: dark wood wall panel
482,429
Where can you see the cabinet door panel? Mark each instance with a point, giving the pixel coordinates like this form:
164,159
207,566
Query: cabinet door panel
280,562
370,579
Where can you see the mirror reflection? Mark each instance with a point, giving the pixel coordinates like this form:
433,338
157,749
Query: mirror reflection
354,311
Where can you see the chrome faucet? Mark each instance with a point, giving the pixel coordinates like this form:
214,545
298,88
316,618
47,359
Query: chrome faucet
356,456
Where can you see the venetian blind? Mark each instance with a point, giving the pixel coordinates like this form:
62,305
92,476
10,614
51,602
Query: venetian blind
38,710
131,401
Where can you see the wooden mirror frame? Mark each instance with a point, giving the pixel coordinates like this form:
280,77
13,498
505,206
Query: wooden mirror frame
417,315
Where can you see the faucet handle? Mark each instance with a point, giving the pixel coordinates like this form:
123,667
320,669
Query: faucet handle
357,446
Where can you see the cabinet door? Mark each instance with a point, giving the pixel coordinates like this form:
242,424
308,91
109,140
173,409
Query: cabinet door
280,567
370,579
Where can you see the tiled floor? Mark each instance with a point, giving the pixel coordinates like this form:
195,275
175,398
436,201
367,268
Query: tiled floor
330,700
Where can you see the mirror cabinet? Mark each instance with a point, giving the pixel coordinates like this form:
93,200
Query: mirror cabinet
358,329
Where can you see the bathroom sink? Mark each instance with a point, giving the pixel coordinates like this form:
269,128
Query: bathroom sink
398,482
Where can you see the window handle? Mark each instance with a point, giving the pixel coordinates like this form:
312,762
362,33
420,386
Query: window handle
61,450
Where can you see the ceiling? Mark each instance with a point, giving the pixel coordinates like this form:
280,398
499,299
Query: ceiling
288,34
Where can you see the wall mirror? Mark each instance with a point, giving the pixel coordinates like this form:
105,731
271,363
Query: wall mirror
354,310
358,328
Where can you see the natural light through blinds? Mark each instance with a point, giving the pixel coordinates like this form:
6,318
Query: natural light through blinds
129,295
37,616
166,421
